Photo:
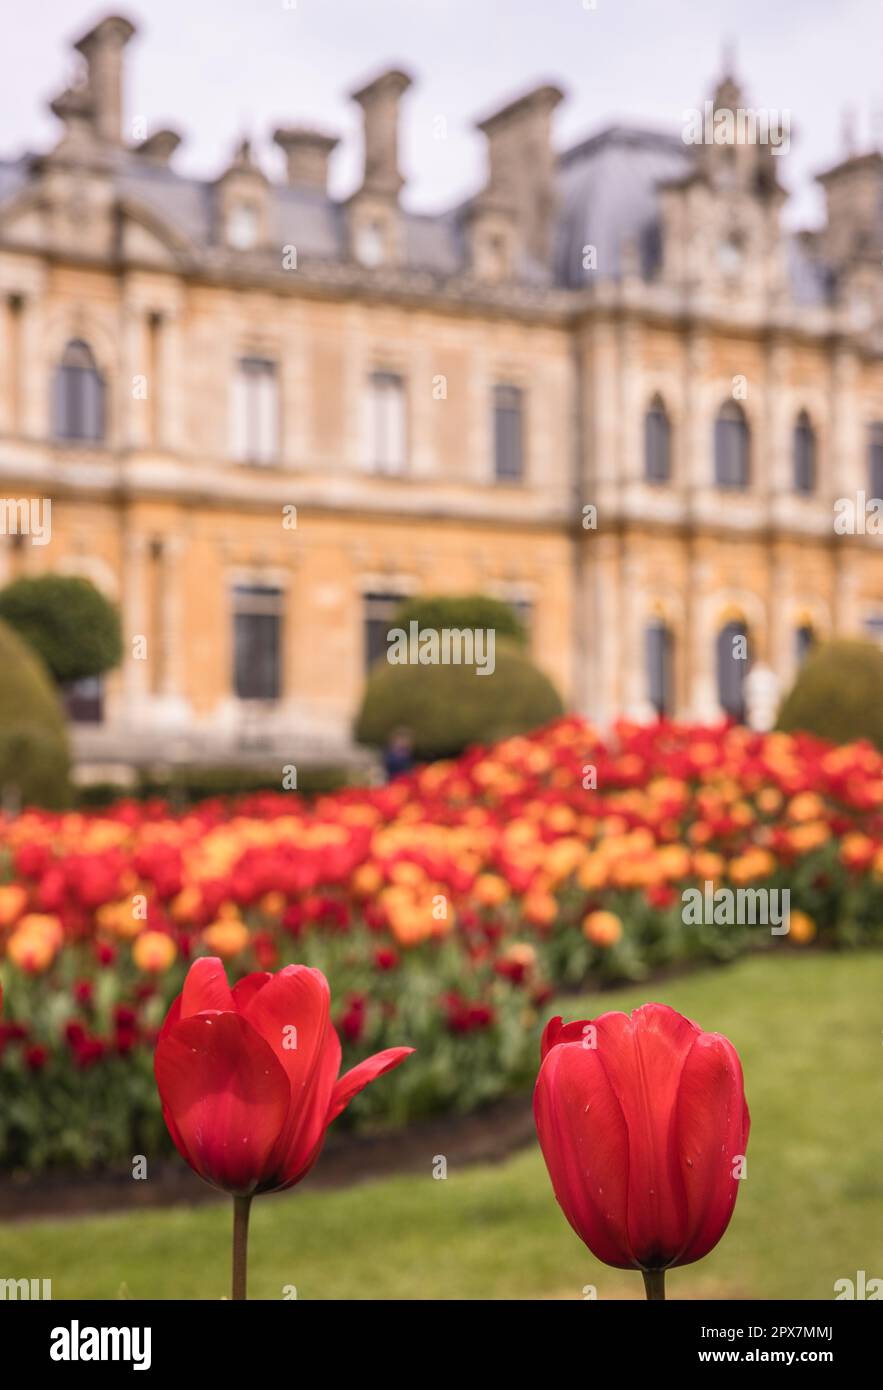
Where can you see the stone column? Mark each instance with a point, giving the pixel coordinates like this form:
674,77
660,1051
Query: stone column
696,448
701,649
135,549
772,461
847,450
170,617
631,403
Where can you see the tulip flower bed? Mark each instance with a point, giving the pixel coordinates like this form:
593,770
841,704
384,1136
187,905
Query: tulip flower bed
445,910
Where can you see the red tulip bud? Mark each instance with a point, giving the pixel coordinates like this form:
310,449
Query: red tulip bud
643,1125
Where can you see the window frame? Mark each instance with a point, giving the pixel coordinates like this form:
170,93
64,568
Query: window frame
388,396
508,405
804,449
657,436
256,601
732,448
254,417
80,392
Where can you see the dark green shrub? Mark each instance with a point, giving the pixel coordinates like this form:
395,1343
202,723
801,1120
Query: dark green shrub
189,785
67,621
34,756
838,694
463,611
447,708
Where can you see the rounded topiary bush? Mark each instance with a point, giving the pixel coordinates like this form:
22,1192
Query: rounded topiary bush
68,622
839,694
447,708
34,755
463,611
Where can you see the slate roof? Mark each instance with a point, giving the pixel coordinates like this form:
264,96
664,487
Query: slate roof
608,194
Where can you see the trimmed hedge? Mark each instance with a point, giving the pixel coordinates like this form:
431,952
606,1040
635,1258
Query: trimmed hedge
839,694
463,611
186,786
67,621
447,708
34,754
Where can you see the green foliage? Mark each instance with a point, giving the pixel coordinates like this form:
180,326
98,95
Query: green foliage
462,611
34,756
447,708
838,694
189,785
67,621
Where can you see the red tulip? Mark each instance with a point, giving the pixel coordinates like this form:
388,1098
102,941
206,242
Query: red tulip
642,1121
248,1077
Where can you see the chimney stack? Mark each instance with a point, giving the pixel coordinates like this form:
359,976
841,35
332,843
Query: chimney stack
159,147
522,165
307,153
854,196
379,101
103,48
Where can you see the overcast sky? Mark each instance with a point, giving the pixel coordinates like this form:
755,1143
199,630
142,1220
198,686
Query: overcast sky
217,68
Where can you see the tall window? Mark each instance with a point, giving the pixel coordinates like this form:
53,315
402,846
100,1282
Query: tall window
657,443
508,434
804,454
875,459
733,657
255,422
79,395
379,611
257,642
731,447
387,424
659,657
804,641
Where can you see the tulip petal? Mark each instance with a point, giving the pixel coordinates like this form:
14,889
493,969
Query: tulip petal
643,1057
227,1095
556,1032
293,1014
711,1128
246,988
205,988
172,1017
300,1155
360,1076
584,1139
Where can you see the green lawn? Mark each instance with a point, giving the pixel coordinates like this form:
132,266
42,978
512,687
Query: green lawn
808,1029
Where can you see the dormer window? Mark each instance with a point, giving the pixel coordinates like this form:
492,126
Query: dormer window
369,244
242,226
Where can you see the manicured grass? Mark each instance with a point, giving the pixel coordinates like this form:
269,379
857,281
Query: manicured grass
808,1029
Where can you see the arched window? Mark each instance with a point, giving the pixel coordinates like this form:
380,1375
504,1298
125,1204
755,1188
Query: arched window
79,395
657,443
731,447
804,454
733,659
875,459
659,658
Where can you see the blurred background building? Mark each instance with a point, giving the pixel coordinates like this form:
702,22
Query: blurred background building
608,388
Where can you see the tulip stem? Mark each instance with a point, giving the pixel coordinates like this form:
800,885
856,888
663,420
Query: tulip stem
654,1283
241,1209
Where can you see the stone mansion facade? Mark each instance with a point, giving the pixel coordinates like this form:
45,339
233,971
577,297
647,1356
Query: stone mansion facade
609,388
